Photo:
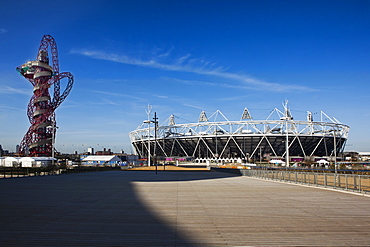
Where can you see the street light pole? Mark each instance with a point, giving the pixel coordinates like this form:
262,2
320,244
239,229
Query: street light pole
335,159
287,116
155,141
216,153
260,156
287,144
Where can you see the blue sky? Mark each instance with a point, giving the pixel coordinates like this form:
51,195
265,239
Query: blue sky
183,57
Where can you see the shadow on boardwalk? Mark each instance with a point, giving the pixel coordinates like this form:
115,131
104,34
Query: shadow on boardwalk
90,209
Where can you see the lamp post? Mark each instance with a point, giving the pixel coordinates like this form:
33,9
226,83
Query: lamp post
335,155
335,159
287,144
216,153
260,156
155,140
287,116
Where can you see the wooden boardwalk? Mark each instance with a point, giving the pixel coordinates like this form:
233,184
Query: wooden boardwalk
177,208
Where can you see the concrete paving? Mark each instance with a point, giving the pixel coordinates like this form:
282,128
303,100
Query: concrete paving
174,208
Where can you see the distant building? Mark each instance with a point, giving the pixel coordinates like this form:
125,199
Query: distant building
101,160
364,156
130,159
351,156
104,152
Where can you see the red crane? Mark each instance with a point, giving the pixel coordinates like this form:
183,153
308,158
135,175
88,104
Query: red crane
39,138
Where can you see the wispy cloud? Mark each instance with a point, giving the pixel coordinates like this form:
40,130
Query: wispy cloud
240,85
178,65
12,90
3,30
116,94
165,54
109,102
161,96
193,65
193,106
6,108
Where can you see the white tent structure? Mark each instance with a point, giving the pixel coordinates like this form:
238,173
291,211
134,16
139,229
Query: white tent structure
12,161
277,162
26,161
36,161
323,162
104,160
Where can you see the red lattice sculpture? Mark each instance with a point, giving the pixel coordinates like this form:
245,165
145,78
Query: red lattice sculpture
38,140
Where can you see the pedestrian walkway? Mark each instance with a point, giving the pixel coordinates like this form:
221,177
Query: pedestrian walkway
176,208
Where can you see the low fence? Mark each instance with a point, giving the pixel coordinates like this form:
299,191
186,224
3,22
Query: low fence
350,182
16,172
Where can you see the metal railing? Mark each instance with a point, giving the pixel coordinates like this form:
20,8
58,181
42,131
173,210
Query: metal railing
350,182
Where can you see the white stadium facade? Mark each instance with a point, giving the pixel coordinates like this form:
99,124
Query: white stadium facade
246,139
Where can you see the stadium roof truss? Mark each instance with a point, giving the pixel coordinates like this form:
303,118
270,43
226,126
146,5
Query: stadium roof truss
217,136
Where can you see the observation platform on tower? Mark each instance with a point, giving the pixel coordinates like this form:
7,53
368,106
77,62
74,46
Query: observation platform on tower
176,208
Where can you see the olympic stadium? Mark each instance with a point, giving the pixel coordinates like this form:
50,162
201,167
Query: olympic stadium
216,137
